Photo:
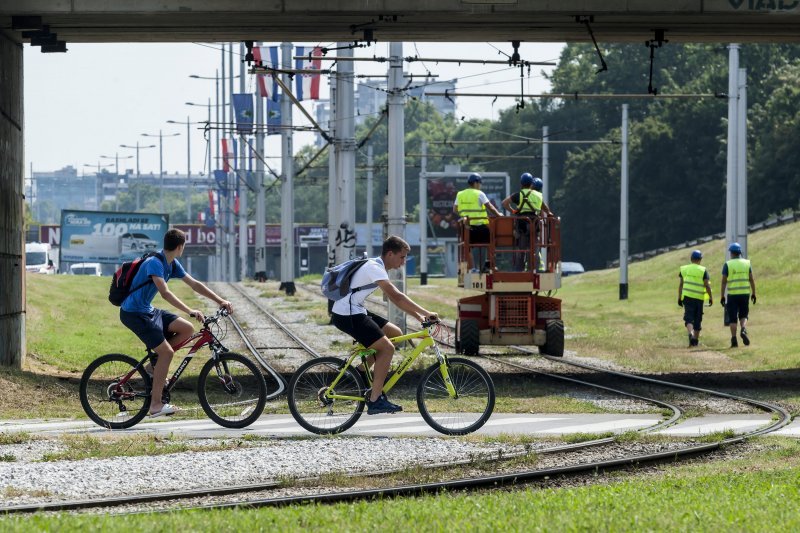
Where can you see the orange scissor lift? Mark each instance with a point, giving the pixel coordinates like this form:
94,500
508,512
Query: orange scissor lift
516,280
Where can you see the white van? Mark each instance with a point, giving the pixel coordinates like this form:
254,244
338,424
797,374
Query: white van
85,269
571,269
39,258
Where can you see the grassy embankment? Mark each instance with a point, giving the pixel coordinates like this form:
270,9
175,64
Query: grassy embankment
70,323
758,493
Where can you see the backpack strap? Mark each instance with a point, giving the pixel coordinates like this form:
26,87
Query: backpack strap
149,279
526,201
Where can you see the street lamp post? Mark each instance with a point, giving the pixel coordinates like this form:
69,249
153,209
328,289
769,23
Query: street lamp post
116,180
138,175
98,166
188,166
160,164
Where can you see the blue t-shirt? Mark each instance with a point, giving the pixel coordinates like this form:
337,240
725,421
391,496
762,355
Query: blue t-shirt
139,301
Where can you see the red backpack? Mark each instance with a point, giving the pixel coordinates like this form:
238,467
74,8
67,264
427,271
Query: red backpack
123,279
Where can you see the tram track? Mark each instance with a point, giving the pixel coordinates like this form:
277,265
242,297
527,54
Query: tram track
506,479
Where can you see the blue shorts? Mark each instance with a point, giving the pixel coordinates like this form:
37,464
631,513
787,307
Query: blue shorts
151,328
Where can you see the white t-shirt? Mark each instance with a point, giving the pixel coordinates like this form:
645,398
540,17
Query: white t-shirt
353,304
482,198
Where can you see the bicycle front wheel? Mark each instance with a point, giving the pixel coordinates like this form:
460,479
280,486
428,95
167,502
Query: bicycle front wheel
468,410
232,390
307,396
114,393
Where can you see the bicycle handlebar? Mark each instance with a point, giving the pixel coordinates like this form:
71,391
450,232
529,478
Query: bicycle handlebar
430,322
221,313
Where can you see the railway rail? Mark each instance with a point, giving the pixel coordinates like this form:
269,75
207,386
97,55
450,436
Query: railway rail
780,418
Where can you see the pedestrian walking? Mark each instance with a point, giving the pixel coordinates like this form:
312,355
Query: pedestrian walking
737,280
693,287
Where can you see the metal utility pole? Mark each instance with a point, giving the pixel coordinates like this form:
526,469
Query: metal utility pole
160,165
333,182
731,219
346,153
741,160
287,187
261,210
623,210
241,180
546,164
231,176
370,175
396,222
423,216
138,174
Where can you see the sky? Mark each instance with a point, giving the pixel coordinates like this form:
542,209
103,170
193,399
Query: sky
82,105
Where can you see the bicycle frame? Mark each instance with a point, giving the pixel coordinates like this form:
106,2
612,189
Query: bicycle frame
361,351
203,337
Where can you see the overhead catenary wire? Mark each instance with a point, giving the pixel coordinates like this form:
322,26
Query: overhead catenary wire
578,96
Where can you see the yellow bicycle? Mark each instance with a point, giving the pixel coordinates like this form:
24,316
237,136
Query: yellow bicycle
455,395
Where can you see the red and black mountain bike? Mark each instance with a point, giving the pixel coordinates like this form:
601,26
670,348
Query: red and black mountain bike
115,388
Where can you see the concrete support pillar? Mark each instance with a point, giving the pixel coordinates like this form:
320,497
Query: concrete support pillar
731,220
287,186
346,156
12,193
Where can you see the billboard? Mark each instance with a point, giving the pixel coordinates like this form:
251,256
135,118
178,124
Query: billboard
201,239
110,237
442,194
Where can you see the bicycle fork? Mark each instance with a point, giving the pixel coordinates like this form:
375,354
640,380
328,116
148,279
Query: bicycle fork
443,369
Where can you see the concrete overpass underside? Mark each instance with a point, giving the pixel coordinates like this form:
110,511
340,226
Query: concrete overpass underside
316,21
410,20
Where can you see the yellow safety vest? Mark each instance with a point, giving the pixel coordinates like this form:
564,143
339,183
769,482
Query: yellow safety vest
469,205
531,202
738,276
693,285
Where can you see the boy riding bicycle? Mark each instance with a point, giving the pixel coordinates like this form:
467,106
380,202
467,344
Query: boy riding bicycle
158,329
373,331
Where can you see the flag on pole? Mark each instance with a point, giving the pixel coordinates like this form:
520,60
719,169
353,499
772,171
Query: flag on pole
227,154
266,56
273,117
307,85
211,202
243,108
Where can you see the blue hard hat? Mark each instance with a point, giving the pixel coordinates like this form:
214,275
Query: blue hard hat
473,178
697,254
526,180
538,184
735,248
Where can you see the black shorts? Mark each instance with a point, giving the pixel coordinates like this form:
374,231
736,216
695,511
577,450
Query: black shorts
366,329
737,307
479,234
693,312
151,328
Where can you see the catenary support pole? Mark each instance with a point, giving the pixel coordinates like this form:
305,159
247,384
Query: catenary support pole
222,204
423,216
741,160
242,177
231,175
731,222
370,175
396,221
287,186
261,211
546,164
333,182
346,155
623,210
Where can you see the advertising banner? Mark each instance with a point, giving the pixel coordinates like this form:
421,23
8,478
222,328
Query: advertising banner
442,194
109,237
200,236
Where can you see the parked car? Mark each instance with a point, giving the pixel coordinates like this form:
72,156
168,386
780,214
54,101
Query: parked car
138,243
571,269
85,269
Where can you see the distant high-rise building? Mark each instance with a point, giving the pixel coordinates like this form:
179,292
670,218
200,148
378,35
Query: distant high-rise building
50,192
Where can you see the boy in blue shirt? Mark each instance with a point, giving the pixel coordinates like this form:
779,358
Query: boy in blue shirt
158,329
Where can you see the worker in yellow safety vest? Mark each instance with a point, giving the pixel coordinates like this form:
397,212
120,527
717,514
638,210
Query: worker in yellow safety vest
527,205
473,205
737,279
692,291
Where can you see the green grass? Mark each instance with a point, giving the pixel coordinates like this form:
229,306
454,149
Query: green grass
758,493
86,446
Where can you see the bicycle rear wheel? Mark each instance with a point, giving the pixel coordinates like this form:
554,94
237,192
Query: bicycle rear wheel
114,393
312,410
469,410
232,390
